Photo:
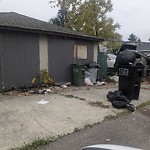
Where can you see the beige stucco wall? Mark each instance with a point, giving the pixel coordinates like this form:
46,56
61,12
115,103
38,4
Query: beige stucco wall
95,51
43,48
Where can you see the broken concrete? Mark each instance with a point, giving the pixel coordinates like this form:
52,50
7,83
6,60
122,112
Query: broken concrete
22,119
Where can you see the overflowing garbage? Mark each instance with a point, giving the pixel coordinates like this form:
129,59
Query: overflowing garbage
129,68
86,74
130,71
91,73
120,101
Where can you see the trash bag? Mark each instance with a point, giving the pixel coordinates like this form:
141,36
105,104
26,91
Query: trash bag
93,64
122,105
87,81
87,74
120,101
126,57
117,96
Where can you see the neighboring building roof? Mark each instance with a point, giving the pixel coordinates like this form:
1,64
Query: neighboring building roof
140,46
143,46
15,21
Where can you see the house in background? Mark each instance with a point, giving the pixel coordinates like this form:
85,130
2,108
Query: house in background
28,45
144,49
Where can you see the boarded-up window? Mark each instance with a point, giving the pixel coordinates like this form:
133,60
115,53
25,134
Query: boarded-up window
80,51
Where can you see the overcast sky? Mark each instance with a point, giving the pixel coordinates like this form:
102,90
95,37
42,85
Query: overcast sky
132,15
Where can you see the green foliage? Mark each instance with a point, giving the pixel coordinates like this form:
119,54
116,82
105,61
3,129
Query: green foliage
134,38
90,17
45,79
144,104
64,3
64,6
60,19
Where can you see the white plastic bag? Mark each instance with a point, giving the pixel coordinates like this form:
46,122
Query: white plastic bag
87,81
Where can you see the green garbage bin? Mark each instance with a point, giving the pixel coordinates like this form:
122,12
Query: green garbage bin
78,74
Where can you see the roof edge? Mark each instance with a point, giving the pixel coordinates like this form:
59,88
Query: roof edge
89,38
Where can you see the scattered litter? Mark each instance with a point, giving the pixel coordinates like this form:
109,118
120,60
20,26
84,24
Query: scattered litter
40,92
64,86
43,102
48,90
107,140
101,83
88,81
98,83
68,83
17,93
115,78
58,83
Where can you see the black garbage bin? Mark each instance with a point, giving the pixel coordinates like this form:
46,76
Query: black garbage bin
78,74
130,80
130,71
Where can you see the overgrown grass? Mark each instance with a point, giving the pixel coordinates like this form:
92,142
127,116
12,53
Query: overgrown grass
143,104
113,117
36,143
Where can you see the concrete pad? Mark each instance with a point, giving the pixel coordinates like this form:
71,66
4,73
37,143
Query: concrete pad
145,86
99,94
92,94
23,119
144,97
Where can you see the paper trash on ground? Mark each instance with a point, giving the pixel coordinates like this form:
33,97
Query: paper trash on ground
43,102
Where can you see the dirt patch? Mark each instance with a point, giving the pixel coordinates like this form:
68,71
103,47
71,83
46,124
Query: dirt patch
98,104
145,112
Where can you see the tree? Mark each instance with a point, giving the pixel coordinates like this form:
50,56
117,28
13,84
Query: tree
60,19
64,6
90,17
64,3
134,38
